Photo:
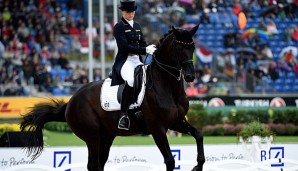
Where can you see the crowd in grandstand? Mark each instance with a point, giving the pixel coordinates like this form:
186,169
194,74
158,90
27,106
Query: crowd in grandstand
37,37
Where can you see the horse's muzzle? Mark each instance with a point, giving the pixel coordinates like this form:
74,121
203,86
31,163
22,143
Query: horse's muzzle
189,78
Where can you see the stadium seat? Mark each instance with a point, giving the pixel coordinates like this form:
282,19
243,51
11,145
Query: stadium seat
278,88
279,81
289,81
287,89
291,75
58,92
259,89
62,74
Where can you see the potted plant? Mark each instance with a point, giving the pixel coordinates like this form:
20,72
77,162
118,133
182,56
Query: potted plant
254,137
254,129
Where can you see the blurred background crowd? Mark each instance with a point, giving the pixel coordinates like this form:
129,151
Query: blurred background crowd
44,44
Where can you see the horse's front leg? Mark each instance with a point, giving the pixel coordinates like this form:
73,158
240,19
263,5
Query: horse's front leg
105,146
184,127
162,143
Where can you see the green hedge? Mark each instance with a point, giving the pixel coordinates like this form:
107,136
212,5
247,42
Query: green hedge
281,122
57,126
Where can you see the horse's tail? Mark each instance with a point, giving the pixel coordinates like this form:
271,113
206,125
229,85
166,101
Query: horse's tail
34,121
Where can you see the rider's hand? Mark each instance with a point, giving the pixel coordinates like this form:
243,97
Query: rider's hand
150,49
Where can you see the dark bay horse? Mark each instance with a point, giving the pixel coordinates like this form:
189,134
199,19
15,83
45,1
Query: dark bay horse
164,107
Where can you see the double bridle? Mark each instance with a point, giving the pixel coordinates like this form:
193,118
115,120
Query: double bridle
167,68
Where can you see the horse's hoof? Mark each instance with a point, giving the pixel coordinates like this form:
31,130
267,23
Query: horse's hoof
197,168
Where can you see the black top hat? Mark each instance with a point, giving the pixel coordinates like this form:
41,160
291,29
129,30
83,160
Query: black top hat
128,5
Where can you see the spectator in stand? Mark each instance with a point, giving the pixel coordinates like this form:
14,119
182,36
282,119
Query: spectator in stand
266,52
296,69
108,26
205,19
191,90
81,23
272,73
289,58
93,31
288,34
271,28
259,54
282,67
12,88
212,4
262,25
63,61
252,40
193,8
237,8
295,34
250,64
23,31
246,10
206,78
110,44
83,39
203,89
73,30
2,50
97,75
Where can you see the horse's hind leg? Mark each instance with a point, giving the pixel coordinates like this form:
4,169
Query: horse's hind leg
184,127
162,143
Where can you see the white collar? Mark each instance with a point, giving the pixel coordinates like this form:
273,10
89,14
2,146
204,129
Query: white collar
130,22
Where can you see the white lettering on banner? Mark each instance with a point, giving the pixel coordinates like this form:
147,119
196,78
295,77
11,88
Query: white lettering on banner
10,157
202,102
296,101
252,103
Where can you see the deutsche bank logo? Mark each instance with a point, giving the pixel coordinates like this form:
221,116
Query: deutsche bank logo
274,153
177,156
62,158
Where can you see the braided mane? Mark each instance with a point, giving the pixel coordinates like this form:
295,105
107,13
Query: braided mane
164,36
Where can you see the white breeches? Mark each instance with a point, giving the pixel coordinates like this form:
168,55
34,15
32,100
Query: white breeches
127,70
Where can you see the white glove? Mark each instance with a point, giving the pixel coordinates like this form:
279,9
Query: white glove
150,49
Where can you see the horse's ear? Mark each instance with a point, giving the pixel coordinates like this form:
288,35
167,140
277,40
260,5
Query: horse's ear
194,30
174,29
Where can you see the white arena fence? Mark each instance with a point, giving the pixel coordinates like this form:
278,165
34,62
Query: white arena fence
226,165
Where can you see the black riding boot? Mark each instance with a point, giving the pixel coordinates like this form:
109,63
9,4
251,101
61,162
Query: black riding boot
124,121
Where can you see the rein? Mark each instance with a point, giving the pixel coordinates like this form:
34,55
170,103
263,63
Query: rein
179,68
162,66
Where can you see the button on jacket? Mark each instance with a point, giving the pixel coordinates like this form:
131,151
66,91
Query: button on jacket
130,40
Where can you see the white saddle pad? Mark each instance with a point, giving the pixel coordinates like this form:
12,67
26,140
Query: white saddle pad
108,97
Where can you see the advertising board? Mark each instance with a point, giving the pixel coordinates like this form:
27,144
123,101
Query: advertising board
62,156
13,107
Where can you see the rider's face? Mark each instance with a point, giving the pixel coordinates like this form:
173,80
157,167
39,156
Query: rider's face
129,15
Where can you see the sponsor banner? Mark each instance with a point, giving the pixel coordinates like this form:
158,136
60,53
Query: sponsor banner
13,107
237,101
62,156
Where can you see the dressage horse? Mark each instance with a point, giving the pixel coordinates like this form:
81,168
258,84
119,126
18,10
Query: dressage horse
164,107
